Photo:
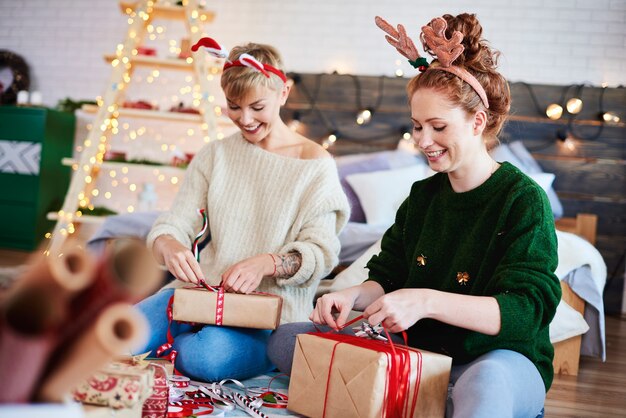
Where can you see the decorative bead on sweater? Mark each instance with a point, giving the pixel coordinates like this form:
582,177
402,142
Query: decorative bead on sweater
259,202
495,240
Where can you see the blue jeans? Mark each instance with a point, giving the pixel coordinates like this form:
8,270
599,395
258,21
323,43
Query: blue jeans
501,383
208,353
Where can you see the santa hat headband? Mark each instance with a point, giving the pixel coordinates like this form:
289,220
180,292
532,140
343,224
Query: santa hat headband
244,60
434,41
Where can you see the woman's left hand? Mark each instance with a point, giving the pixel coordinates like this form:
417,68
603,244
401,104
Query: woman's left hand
398,310
246,275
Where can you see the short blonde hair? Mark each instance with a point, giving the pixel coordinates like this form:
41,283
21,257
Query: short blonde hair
238,81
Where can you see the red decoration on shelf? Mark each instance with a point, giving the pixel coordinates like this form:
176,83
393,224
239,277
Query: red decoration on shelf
145,50
181,108
139,104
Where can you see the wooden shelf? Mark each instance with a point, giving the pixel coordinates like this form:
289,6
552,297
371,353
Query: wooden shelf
150,114
116,165
85,219
151,61
168,11
222,122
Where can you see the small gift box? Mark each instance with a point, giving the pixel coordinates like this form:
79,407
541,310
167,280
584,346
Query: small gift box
254,310
119,385
337,375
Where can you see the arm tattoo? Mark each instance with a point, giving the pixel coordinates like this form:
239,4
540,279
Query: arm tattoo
287,265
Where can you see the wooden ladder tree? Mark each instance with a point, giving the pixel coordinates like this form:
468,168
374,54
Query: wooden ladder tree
141,13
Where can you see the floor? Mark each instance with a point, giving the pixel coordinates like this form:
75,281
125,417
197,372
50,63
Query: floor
598,391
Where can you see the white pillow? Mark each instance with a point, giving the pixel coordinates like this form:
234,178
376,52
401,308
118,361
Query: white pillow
353,275
567,322
395,158
542,179
382,192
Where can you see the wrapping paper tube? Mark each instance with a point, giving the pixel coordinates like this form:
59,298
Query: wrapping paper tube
61,275
32,311
126,273
131,266
24,344
118,329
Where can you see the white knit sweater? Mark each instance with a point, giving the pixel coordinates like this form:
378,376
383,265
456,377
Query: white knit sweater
259,202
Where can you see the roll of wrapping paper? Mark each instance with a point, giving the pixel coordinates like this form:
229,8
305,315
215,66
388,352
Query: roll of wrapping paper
62,274
118,329
25,343
125,273
71,269
32,312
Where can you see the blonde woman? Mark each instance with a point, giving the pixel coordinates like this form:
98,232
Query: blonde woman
275,208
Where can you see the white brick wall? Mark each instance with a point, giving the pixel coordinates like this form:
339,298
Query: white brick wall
554,42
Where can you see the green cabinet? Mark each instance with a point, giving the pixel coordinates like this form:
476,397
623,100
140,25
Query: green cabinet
33,181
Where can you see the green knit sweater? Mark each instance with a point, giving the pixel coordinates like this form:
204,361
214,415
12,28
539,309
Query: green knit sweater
500,237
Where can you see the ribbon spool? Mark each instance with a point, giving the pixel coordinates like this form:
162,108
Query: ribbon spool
179,381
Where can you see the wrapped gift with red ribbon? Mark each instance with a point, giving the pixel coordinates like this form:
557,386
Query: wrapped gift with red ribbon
123,384
338,375
216,307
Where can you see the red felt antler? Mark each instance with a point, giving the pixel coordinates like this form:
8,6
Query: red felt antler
398,39
434,38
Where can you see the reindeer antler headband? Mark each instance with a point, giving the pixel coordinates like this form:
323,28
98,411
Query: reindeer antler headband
434,41
244,60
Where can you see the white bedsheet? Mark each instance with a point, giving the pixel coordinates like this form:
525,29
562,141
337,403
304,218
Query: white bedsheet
582,267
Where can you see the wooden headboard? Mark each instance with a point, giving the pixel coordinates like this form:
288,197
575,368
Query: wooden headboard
567,352
583,225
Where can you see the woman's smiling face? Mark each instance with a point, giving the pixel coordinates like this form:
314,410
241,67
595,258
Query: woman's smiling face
445,133
256,113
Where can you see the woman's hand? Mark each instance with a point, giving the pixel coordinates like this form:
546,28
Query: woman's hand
399,310
179,259
332,309
246,275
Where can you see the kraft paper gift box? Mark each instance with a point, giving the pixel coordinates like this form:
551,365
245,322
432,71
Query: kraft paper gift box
254,310
358,380
118,385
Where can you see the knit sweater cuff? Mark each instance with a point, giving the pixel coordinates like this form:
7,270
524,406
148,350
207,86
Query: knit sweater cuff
513,321
310,263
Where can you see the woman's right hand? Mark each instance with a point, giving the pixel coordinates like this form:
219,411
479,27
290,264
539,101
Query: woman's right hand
178,259
332,309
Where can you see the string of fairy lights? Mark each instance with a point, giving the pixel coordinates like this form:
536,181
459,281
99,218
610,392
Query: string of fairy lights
569,105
